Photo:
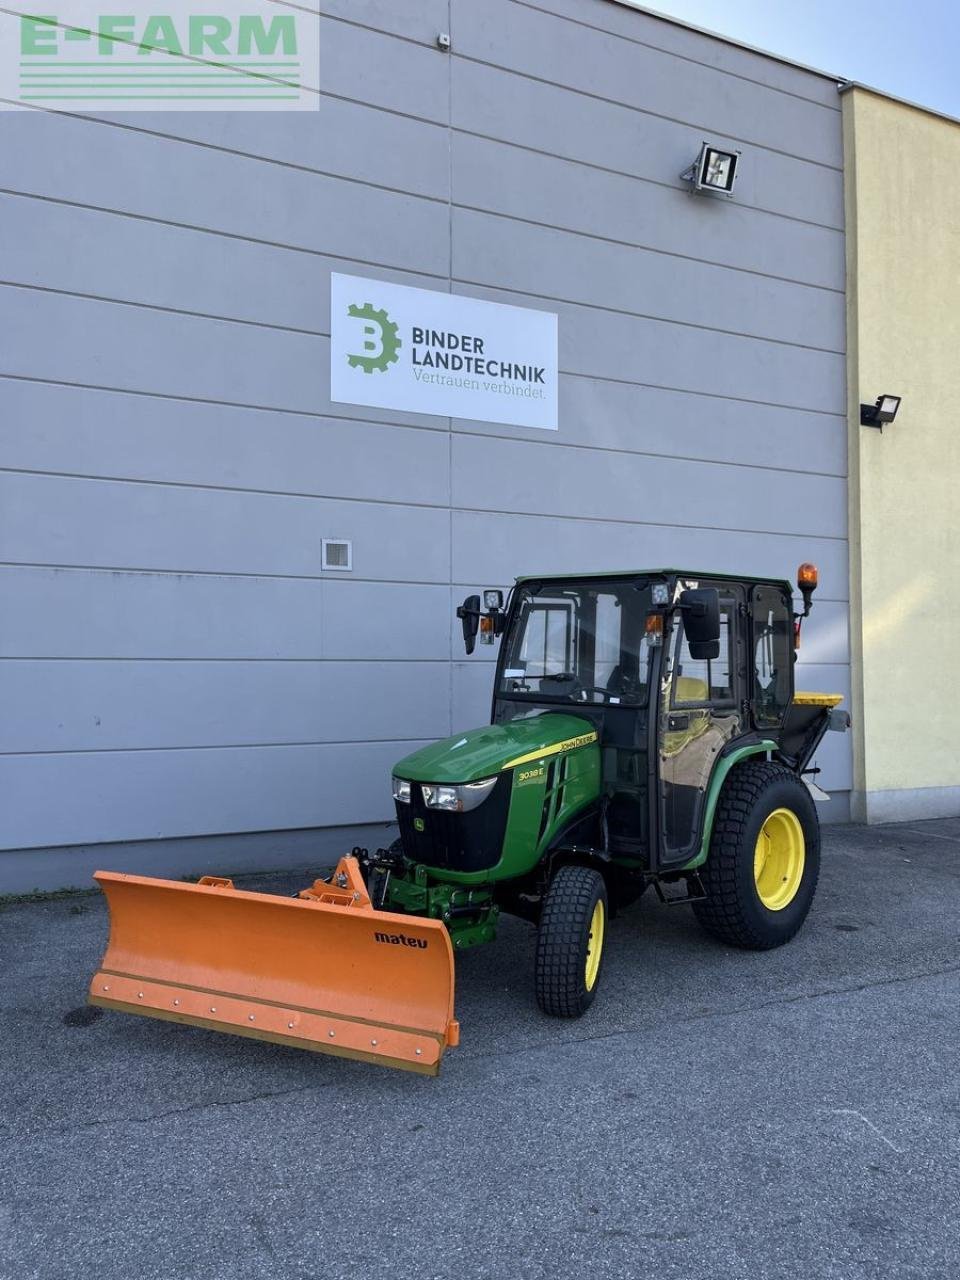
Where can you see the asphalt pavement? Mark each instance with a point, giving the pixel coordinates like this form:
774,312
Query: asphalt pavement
716,1115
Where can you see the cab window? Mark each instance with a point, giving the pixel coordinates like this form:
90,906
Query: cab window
548,639
578,642
772,654
699,681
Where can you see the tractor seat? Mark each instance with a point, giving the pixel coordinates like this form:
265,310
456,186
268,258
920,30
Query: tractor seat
689,689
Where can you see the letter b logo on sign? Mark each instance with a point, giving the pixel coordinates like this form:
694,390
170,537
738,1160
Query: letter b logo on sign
381,340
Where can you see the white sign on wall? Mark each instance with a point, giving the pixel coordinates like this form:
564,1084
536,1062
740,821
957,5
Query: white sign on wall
421,351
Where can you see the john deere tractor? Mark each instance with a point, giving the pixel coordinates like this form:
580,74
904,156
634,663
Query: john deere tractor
645,732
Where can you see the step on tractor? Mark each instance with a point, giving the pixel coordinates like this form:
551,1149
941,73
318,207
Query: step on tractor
645,732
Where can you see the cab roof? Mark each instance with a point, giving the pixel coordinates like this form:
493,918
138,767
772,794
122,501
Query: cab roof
654,573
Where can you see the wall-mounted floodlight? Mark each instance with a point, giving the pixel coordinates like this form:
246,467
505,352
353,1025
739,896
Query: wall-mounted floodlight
875,415
714,170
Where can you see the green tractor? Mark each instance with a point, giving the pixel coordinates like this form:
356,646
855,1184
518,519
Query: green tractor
645,731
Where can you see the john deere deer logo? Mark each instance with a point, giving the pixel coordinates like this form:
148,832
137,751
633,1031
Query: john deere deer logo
380,339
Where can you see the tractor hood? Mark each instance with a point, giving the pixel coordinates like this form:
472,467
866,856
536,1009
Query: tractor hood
480,753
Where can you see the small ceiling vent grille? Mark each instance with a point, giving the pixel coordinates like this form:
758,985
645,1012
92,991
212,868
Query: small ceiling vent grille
337,553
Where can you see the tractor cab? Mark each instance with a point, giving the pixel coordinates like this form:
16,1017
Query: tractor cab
675,671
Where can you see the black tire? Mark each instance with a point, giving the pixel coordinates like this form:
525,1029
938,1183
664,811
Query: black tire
733,910
564,939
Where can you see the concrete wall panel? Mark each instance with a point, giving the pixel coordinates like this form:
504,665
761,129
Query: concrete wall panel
697,46
83,432
172,267
163,179
627,348
616,277
60,520
604,414
418,20
63,613
109,705
155,795
488,547
646,212
557,121
617,486
532,43
343,138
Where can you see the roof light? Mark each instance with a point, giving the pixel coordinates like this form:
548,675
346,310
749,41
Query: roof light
807,575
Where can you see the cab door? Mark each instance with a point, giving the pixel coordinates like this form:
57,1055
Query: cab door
700,711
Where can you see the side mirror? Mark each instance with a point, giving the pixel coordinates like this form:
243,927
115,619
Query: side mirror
701,622
469,615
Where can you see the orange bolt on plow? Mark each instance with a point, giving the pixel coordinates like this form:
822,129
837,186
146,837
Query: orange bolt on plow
323,971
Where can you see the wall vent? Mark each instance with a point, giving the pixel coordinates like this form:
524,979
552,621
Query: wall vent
337,553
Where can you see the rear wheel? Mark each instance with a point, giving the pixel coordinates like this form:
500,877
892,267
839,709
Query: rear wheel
570,941
761,872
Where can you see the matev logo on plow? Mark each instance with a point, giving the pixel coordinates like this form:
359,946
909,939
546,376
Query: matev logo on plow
400,940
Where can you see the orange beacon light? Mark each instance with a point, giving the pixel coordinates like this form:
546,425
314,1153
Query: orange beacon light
807,578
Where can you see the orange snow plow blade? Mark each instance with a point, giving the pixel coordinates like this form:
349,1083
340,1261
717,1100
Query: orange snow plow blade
322,971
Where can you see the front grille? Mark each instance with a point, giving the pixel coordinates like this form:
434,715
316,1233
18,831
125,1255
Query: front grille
456,841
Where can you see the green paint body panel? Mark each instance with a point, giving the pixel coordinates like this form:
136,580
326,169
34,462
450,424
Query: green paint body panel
417,895
480,753
717,779
523,845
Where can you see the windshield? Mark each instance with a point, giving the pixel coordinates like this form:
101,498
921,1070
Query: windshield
578,642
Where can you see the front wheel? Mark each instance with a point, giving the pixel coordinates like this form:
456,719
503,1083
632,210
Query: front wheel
764,861
570,941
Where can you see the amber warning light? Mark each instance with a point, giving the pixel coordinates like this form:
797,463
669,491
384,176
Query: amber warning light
807,578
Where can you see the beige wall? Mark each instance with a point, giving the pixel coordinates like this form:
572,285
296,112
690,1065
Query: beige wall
903,265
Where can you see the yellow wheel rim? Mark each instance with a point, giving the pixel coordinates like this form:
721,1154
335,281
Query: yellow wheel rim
778,859
594,945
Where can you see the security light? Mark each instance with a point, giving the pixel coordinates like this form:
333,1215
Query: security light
714,170
875,415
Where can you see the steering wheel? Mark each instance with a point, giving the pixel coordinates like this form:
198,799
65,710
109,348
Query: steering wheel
599,688
561,677
564,677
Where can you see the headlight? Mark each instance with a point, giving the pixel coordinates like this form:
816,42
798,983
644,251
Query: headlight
459,799
401,790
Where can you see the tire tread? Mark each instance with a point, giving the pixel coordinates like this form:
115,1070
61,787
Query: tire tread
722,913
559,977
